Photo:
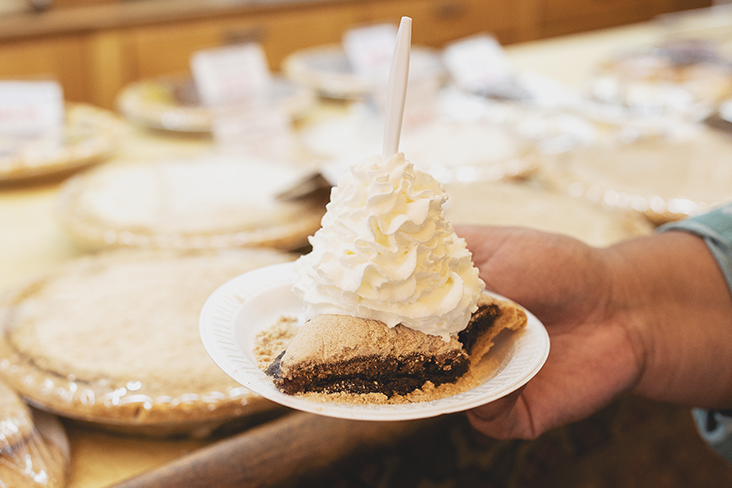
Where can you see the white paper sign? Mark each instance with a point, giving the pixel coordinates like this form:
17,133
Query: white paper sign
369,49
231,74
263,133
477,62
31,108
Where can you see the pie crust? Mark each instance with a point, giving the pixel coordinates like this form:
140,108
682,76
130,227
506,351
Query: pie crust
113,340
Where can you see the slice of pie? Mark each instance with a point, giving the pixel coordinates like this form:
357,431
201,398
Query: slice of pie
337,353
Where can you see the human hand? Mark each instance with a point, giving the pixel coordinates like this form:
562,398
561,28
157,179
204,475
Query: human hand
565,284
649,315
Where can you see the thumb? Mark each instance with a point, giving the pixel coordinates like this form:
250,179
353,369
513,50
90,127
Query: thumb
505,418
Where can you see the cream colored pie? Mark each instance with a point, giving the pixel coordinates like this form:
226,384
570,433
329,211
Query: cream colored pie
172,103
113,339
529,204
663,178
447,149
89,135
188,205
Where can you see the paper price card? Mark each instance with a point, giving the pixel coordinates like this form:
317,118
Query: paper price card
30,108
231,74
369,49
262,133
477,62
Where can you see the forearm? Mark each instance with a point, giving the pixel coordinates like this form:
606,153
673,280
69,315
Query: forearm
671,294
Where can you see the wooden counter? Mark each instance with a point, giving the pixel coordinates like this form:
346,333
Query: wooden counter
31,240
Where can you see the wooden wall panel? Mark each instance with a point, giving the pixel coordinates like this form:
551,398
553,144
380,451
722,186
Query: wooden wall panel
60,58
167,49
437,22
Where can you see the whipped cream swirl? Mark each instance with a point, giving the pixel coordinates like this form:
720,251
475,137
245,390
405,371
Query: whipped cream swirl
386,252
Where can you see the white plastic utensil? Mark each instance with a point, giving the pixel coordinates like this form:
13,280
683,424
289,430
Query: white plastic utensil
397,89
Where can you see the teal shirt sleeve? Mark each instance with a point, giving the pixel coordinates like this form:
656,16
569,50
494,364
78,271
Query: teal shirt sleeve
715,227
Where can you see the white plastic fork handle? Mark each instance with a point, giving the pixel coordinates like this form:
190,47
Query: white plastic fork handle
397,90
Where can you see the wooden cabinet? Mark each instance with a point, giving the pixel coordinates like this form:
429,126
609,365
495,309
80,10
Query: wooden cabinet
96,50
437,22
60,58
160,50
564,16
558,17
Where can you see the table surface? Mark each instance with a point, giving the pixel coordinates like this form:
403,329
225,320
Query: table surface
32,242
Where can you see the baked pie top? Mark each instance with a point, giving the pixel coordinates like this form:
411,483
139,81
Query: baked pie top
664,178
189,205
528,205
114,339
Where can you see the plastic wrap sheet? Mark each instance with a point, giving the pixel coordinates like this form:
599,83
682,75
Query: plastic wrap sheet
113,340
34,450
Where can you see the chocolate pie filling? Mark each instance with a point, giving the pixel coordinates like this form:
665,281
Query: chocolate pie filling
387,374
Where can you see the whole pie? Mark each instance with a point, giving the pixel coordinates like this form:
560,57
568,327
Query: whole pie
188,205
172,103
664,178
89,135
113,339
449,150
532,205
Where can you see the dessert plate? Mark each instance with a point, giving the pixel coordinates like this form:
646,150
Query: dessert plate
239,309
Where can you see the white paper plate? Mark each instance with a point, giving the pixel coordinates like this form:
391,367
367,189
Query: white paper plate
249,303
